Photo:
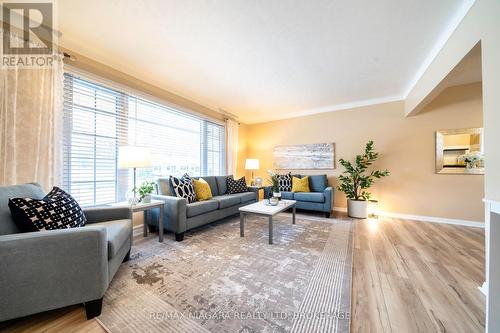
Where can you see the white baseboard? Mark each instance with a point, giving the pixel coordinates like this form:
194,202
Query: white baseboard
483,288
433,219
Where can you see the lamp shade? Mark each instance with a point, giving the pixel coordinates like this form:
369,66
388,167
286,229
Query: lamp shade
252,164
134,157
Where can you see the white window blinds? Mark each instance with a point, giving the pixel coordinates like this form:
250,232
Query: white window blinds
98,120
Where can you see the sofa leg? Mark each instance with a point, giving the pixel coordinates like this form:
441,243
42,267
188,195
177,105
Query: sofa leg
93,308
327,215
179,236
127,257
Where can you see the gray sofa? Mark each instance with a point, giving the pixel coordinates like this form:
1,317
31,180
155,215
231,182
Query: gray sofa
180,216
45,270
320,198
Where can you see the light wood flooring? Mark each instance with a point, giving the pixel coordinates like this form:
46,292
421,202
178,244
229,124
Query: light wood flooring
407,277
417,277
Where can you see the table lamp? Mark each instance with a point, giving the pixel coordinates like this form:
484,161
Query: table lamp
134,157
252,164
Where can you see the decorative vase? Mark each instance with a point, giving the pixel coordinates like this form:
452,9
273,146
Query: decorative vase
277,195
146,199
273,201
357,208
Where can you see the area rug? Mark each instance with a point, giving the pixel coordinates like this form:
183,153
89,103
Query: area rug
216,281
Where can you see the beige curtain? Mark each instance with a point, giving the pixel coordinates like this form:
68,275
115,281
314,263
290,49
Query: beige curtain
31,102
232,146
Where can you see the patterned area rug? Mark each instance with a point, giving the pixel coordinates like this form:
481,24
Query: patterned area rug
215,281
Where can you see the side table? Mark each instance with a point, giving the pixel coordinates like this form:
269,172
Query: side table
258,188
145,207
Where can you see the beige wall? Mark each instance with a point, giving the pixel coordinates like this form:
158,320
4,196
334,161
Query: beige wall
480,25
242,151
406,146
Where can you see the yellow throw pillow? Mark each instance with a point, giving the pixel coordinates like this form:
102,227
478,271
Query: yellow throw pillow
202,189
300,185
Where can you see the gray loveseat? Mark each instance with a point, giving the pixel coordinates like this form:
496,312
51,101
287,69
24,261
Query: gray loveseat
180,216
45,270
320,198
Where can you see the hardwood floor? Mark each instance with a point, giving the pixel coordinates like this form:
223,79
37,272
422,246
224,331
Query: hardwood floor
417,277
407,277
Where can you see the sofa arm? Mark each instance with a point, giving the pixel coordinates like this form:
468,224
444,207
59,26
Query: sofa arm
103,214
44,270
268,191
255,191
174,213
328,192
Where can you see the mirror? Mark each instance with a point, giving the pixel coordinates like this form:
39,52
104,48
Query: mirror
460,151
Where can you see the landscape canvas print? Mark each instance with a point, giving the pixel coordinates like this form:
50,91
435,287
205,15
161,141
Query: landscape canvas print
308,156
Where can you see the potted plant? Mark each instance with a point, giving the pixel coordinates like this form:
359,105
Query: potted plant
145,191
355,180
274,184
471,159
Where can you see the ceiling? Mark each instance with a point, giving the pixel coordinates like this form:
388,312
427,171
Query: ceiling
265,59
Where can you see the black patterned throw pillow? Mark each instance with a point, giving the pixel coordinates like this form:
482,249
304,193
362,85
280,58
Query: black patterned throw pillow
236,186
285,182
184,188
57,210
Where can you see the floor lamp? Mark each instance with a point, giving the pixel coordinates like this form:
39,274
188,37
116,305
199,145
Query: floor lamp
133,157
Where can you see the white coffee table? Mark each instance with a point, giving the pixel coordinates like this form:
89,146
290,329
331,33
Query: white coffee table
262,209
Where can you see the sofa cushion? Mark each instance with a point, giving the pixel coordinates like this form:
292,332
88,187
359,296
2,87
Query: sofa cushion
246,197
236,186
213,184
287,195
202,189
227,200
57,210
117,233
164,187
32,190
300,184
222,184
318,183
285,182
183,187
309,197
201,207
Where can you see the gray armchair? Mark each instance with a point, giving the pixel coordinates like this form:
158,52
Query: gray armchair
41,271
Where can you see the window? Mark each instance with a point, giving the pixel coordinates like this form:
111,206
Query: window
98,120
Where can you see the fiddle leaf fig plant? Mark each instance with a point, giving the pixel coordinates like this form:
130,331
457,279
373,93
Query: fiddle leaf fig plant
355,179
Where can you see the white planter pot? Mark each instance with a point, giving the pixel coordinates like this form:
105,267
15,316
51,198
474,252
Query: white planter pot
357,208
277,195
146,199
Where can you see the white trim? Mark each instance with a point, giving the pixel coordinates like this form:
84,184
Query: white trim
445,36
422,218
483,288
328,108
493,205
135,92
340,209
434,219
